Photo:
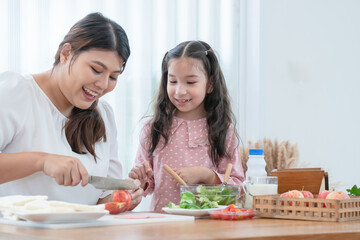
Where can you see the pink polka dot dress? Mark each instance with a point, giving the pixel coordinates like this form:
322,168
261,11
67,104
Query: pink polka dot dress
188,146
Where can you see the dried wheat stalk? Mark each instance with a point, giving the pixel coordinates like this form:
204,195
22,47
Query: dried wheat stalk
277,156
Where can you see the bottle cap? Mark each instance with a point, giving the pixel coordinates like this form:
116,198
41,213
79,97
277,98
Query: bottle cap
256,152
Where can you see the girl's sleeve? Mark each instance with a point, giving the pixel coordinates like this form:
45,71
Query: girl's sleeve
232,147
142,155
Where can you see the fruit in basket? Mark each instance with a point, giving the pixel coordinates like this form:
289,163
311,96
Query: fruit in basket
324,194
292,194
307,194
115,207
337,195
332,195
122,196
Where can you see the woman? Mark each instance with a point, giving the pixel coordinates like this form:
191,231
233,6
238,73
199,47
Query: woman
54,131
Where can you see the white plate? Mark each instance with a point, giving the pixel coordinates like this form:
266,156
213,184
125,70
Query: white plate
61,217
191,212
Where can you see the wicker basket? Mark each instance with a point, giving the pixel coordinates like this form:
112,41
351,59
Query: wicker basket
330,210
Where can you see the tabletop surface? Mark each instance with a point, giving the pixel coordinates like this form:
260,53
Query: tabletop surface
260,228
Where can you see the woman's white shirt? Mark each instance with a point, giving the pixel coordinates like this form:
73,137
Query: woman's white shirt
29,122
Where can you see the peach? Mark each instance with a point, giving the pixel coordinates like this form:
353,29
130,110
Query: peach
337,195
307,194
292,194
115,207
324,194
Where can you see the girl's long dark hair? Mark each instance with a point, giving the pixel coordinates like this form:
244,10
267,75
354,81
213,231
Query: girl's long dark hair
85,127
217,104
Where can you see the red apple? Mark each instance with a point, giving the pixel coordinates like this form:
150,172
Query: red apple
115,207
122,196
323,194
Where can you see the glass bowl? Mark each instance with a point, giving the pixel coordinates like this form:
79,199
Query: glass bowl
221,194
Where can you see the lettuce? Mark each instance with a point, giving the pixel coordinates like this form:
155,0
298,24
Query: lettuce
205,198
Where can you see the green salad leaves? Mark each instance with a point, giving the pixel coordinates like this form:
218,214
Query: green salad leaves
205,198
354,191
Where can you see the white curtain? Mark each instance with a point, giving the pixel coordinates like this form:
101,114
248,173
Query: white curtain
31,30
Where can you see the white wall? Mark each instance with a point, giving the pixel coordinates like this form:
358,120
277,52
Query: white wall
310,74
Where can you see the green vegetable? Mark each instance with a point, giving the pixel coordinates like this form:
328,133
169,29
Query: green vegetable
206,198
173,205
354,191
188,201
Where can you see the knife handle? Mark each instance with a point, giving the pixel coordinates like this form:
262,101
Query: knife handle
174,174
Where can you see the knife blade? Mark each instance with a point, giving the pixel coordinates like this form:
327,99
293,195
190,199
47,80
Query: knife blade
111,183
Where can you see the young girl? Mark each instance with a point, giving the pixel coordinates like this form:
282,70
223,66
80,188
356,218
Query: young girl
192,129
54,131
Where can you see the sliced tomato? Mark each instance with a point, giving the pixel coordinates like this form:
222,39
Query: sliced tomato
234,216
215,214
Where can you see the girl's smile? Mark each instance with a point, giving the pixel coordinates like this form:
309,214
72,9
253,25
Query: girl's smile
182,102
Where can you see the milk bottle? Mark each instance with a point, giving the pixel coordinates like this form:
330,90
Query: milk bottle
257,182
256,163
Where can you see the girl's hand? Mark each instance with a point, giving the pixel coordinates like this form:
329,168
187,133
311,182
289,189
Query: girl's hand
142,172
198,175
66,170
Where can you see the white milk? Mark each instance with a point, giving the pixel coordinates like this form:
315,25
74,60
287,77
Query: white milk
259,189
263,189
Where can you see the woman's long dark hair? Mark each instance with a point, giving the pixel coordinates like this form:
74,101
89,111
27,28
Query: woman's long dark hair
85,127
217,104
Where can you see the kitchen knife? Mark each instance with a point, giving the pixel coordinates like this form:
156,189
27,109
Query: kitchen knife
111,183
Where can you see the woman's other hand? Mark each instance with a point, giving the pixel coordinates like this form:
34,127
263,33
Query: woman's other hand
136,195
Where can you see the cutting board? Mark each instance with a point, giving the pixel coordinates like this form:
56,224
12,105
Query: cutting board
107,220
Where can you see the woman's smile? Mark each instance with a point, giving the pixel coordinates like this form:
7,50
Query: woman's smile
89,94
